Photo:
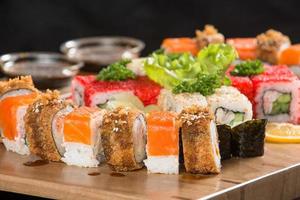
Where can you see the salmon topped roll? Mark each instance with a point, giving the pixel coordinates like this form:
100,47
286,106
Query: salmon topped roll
123,137
82,139
15,96
162,143
200,141
44,126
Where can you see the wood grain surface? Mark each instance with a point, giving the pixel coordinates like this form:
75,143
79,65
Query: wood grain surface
57,180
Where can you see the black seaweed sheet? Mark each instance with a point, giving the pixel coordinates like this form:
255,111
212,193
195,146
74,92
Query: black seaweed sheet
248,138
224,133
244,140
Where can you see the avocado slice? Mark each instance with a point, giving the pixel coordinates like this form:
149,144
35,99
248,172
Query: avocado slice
238,118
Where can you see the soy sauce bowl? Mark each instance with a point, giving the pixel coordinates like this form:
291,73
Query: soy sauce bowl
48,70
98,52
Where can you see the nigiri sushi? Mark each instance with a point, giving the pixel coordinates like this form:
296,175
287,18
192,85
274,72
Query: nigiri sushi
16,95
291,57
246,47
209,35
81,137
270,44
200,141
123,136
162,143
44,128
230,106
168,101
180,45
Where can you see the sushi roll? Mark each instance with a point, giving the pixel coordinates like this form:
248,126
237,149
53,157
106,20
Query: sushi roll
276,95
100,92
162,143
230,106
180,45
123,136
246,47
78,86
44,126
209,35
81,137
16,95
291,57
200,141
242,83
225,140
248,138
270,44
137,66
168,101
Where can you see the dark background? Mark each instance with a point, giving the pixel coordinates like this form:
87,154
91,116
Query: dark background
33,25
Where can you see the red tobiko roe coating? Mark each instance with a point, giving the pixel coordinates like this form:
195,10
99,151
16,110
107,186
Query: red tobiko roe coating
144,88
242,83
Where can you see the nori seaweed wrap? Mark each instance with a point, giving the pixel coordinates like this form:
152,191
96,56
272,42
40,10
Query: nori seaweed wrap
224,133
248,138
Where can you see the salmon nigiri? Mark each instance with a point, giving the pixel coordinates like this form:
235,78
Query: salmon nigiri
82,141
246,47
162,143
180,45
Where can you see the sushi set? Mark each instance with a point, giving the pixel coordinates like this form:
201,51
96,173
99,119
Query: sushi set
194,108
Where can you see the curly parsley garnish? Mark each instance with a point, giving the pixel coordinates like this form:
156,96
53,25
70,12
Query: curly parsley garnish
248,68
116,72
205,84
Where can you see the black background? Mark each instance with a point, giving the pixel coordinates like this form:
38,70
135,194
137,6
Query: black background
34,25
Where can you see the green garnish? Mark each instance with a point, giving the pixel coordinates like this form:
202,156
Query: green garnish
248,68
116,72
185,73
204,83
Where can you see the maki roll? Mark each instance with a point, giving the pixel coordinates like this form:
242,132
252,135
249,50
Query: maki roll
168,101
82,139
225,138
200,141
276,95
270,44
162,143
78,86
15,96
123,136
229,106
291,57
209,35
246,47
44,126
248,138
99,93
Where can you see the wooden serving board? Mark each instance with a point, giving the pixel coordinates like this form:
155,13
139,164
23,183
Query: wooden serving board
276,175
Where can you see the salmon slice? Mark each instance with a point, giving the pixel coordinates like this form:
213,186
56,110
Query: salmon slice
77,125
180,45
9,111
163,134
291,55
246,47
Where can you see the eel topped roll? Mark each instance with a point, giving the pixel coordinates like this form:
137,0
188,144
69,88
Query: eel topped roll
44,126
82,139
200,141
230,106
168,101
123,136
270,44
162,143
16,95
209,35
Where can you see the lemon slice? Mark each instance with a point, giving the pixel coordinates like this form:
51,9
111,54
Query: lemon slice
282,133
